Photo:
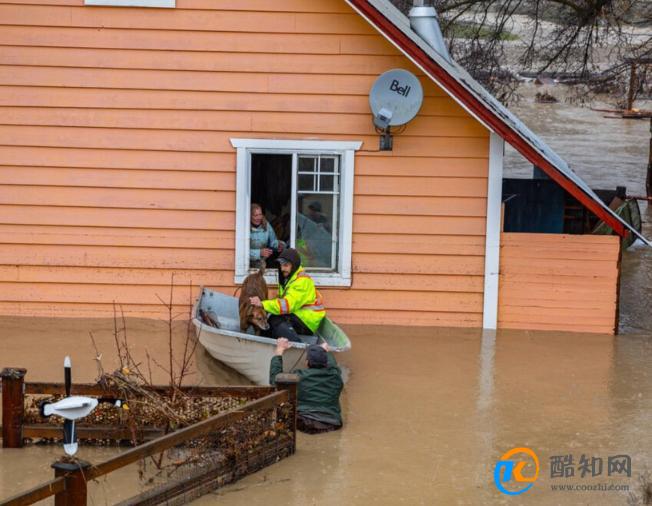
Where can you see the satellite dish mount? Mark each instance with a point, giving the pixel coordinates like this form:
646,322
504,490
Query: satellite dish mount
381,122
395,98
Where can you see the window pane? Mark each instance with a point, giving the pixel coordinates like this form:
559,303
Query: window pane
307,163
326,183
327,165
306,182
316,234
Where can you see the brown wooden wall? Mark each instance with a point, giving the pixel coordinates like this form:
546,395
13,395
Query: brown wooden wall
558,282
116,167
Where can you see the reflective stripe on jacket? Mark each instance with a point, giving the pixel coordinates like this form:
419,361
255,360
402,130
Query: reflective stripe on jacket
300,297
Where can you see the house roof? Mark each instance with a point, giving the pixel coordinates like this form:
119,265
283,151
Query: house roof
482,105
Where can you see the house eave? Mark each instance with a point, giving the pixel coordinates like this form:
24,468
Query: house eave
421,55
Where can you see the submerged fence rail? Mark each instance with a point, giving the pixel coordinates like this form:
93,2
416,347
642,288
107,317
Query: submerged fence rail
70,483
38,493
178,437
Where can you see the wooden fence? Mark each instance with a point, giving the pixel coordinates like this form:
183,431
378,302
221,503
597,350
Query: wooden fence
69,485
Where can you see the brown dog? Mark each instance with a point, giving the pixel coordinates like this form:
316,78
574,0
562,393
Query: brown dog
254,285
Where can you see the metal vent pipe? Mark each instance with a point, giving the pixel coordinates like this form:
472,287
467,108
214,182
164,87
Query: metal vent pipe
425,22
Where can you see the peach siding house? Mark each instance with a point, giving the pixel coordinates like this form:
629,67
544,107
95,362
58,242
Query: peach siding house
128,140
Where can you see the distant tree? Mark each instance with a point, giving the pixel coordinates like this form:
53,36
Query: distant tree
591,40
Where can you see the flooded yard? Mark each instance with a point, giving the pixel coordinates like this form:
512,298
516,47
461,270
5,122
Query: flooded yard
428,412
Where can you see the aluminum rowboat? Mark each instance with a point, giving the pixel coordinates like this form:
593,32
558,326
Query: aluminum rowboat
245,352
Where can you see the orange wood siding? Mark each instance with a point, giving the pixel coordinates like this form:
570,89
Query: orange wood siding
558,282
116,168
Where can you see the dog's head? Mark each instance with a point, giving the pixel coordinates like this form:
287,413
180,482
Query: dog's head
255,316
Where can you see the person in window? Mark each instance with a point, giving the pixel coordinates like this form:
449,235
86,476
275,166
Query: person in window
320,386
314,242
298,309
263,242
315,214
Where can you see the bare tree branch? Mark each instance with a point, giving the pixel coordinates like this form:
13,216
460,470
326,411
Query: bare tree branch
593,40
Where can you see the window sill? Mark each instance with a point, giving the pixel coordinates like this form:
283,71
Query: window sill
320,279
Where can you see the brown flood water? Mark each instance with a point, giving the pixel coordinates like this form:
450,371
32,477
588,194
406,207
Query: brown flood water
427,411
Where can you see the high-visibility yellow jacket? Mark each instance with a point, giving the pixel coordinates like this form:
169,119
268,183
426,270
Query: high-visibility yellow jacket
300,297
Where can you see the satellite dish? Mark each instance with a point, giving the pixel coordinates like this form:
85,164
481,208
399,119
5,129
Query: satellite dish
395,98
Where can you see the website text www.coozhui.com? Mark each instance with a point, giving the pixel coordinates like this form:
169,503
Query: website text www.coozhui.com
599,487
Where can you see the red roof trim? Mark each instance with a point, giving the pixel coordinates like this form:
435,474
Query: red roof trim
477,107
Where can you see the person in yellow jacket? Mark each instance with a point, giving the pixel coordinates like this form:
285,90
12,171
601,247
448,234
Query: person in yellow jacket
299,308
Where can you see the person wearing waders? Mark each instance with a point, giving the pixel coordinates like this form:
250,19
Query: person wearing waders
320,385
299,308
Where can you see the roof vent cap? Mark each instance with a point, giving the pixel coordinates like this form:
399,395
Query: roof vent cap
425,22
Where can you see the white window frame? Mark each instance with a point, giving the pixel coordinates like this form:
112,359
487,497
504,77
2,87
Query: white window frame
168,4
345,149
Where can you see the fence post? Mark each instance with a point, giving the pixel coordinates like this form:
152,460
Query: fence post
290,382
75,493
13,406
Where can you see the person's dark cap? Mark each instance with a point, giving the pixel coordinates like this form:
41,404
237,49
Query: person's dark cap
315,206
317,356
289,255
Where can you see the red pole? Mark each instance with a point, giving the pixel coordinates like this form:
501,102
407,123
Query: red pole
13,406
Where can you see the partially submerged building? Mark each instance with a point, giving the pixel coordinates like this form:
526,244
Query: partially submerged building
135,139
